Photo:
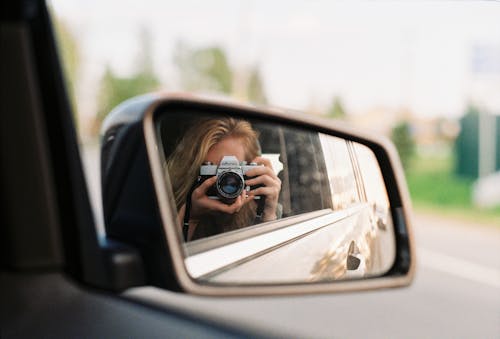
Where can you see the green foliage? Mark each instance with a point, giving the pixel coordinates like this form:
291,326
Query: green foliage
203,69
472,110
336,110
255,88
208,69
70,55
434,188
401,136
114,90
431,181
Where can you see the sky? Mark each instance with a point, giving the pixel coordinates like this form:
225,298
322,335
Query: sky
432,57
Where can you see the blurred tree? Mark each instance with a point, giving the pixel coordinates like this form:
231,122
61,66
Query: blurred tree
114,90
70,55
203,69
208,69
405,144
255,88
144,59
336,110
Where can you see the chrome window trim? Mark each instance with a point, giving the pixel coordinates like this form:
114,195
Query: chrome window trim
205,244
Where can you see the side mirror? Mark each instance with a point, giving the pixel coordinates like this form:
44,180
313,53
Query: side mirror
226,199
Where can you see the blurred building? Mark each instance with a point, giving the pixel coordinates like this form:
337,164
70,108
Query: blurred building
478,145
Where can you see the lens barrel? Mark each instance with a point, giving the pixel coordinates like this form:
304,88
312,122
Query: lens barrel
229,185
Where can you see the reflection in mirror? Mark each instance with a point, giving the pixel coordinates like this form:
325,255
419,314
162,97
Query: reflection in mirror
262,203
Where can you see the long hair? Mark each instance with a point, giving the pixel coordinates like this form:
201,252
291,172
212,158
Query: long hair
184,163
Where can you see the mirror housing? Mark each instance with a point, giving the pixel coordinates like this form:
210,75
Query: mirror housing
131,168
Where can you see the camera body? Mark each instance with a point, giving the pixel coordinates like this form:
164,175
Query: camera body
231,178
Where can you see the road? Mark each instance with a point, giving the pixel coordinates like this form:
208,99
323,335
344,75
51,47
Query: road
456,292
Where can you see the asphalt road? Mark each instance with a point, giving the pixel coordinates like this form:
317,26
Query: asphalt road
455,294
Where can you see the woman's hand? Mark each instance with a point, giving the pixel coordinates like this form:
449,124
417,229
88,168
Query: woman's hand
201,204
264,175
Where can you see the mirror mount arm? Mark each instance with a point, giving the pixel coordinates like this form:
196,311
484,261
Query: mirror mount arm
123,266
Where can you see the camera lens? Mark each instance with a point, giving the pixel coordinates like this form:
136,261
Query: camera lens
230,184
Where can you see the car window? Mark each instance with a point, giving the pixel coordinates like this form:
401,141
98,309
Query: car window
295,157
340,172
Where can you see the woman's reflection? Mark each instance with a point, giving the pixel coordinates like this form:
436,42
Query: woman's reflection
220,181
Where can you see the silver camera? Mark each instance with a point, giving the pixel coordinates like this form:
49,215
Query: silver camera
231,178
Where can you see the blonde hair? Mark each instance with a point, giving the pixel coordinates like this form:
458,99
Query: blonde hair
184,163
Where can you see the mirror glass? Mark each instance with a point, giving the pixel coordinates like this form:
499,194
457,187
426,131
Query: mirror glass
257,202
